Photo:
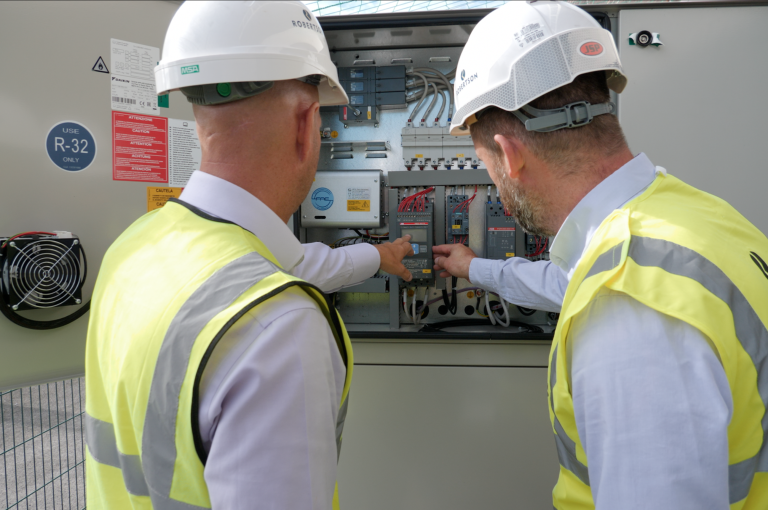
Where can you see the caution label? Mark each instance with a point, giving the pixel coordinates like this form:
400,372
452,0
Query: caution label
358,205
157,197
139,147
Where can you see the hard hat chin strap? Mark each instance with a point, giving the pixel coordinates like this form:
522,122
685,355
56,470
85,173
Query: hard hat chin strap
570,116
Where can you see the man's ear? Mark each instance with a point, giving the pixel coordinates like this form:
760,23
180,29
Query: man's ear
513,156
306,131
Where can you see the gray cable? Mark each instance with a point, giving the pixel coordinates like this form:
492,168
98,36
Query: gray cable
442,106
423,94
445,80
433,103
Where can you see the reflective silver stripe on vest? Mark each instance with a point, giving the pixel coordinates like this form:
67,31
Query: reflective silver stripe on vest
212,297
100,438
751,332
566,447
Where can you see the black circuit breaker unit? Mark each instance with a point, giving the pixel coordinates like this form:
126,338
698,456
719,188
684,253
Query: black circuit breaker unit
370,89
500,233
456,219
419,225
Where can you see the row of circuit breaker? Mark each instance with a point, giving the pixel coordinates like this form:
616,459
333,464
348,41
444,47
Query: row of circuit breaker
415,217
371,89
434,148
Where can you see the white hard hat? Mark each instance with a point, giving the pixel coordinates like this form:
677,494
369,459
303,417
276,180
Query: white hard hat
523,50
256,43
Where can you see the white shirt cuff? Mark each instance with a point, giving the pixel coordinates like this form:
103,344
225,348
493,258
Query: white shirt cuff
365,261
481,273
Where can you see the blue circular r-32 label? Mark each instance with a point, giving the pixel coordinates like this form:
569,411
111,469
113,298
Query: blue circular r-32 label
71,146
322,199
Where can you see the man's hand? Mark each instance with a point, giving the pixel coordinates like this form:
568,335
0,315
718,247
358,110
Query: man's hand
392,255
453,260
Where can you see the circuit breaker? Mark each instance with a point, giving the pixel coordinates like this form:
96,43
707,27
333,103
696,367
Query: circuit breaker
370,89
419,224
500,232
457,219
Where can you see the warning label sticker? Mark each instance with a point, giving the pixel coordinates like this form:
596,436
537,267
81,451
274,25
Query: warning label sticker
139,148
358,193
133,77
157,197
184,153
358,205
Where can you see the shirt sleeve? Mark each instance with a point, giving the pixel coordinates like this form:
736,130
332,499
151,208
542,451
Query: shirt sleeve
269,402
540,285
332,269
652,406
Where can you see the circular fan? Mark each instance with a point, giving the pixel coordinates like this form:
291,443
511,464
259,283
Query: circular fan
46,274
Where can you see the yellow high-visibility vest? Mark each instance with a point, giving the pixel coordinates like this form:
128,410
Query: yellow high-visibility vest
169,288
691,256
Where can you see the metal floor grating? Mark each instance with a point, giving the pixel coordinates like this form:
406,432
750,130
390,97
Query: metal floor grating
42,452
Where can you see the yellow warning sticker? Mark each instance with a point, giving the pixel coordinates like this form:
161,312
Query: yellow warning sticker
510,254
334,134
427,271
459,155
419,155
456,227
157,197
358,205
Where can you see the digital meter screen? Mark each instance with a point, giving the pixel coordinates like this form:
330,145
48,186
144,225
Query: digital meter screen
418,235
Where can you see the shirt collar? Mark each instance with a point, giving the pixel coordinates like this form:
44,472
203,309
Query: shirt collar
222,199
612,193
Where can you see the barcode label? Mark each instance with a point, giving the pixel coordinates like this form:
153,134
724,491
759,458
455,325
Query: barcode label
123,100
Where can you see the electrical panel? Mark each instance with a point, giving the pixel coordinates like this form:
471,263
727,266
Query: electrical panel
343,200
499,232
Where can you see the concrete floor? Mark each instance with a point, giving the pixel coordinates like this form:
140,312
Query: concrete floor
46,471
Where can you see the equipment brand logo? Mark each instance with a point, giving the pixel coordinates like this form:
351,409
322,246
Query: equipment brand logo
307,15
322,199
760,263
591,48
464,82
190,69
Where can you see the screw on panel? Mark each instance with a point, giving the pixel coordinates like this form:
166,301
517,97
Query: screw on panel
77,301
13,244
376,125
345,126
76,242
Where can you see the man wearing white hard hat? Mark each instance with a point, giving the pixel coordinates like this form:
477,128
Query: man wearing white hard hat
658,373
217,374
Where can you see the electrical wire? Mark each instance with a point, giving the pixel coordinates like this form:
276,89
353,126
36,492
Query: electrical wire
433,103
412,116
491,315
445,80
405,304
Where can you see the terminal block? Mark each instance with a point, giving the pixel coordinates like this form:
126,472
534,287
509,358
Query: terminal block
419,224
456,219
500,233
536,247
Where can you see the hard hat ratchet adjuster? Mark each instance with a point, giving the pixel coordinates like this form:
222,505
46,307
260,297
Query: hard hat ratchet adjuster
570,116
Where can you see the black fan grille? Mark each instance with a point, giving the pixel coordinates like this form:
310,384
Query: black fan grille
45,274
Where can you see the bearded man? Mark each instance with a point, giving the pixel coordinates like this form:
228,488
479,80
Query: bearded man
658,371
